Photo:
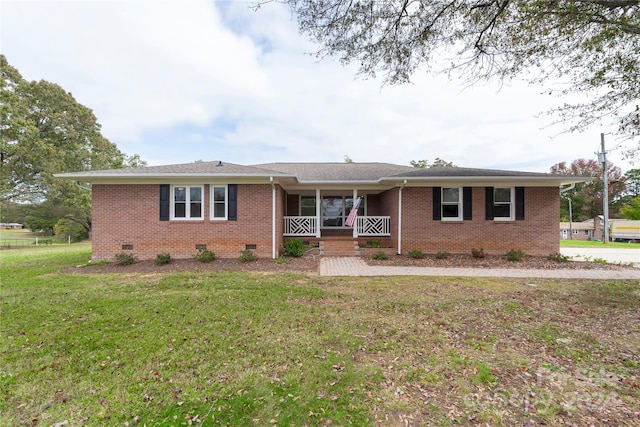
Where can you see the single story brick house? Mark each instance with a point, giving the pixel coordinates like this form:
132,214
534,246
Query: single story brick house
591,229
228,208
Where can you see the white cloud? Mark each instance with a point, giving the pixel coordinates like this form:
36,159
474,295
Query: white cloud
185,80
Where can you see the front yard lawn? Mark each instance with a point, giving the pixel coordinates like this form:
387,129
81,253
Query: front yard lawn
238,348
597,244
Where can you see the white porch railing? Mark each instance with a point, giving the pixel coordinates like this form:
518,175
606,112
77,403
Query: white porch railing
300,225
373,225
307,225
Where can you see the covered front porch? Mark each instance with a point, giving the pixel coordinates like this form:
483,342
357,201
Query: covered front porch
325,212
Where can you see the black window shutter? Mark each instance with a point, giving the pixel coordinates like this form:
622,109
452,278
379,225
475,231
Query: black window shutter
437,203
164,202
519,203
467,207
488,196
232,203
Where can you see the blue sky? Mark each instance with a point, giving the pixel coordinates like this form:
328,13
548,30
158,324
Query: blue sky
180,81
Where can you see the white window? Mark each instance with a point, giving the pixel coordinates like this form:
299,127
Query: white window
186,202
219,201
503,199
451,204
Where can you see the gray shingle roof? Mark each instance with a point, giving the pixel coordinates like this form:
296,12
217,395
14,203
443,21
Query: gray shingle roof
214,168
338,171
311,173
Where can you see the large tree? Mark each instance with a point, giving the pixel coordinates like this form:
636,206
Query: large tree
43,131
587,198
590,45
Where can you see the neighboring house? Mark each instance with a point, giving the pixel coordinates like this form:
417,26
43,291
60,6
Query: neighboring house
227,208
11,226
591,229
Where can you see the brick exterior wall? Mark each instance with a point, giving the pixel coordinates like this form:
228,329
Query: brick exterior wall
129,215
537,234
387,205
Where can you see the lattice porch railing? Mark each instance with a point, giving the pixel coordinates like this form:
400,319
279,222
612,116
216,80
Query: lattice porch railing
300,225
373,225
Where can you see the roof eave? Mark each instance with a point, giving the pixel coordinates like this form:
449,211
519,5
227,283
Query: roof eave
487,180
139,178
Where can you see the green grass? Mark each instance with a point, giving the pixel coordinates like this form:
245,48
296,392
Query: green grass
242,349
596,244
18,234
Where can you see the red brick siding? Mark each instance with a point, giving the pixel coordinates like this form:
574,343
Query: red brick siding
129,215
537,234
386,204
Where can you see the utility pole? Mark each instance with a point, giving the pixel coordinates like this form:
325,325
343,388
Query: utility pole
602,156
570,219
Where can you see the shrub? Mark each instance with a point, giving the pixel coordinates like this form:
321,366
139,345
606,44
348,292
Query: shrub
247,256
477,253
294,247
125,259
558,257
380,256
282,260
416,253
515,255
162,259
600,260
442,255
205,255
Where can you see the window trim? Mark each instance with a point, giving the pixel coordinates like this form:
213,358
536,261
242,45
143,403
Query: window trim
212,202
512,204
187,209
459,203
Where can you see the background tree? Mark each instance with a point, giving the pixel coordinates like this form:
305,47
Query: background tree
438,162
13,212
43,131
633,182
632,210
591,45
587,198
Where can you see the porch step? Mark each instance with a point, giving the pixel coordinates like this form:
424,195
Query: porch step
346,247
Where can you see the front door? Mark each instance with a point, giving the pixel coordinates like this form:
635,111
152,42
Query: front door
332,211
335,210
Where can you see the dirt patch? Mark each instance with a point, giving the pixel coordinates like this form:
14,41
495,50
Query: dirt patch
302,265
310,264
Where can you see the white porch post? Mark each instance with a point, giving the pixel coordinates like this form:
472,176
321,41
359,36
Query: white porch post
400,217
355,223
318,211
273,220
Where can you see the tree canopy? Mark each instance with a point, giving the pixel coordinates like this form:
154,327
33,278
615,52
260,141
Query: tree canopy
43,131
632,210
587,198
590,45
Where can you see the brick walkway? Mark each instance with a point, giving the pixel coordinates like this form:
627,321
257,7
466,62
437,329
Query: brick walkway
354,266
